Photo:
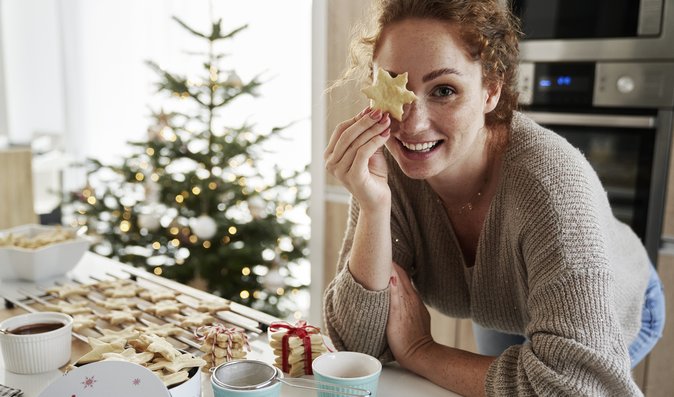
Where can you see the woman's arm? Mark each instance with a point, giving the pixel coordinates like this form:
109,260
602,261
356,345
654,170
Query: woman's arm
370,261
354,155
355,303
410,340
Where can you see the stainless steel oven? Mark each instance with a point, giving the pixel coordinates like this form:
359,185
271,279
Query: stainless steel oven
596,30
620,115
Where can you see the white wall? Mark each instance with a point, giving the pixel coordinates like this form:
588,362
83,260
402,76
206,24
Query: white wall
32,69
318,126
4,139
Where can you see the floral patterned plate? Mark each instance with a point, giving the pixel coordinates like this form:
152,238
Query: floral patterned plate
108,379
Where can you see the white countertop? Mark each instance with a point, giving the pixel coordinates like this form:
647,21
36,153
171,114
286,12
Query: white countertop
394,381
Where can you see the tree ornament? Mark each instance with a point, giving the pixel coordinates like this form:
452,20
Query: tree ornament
150,217
273,279
257,207
234,81
152,191
204,227
148,221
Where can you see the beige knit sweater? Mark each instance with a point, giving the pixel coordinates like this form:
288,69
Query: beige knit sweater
552,264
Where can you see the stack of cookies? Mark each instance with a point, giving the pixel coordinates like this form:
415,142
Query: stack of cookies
295,346
221,344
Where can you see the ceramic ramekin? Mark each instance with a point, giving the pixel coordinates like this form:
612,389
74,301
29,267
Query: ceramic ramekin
43,352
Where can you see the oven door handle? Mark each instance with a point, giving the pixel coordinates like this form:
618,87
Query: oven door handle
592,120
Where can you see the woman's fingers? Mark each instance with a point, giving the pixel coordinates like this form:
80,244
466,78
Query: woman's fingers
354,138
343,137
356,159
404,280
339,130
365,145
366,125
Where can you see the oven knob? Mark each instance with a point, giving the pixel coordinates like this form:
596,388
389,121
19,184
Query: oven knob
625,84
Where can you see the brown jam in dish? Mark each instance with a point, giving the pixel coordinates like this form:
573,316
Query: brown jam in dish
31,329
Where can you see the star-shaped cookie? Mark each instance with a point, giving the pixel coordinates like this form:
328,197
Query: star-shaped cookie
157,344
158,295
68,290
83,321
389,94
212,306
116,317
196,319
183,361
165,307
163,330
69,308
130,355
172,379
117,303
127,333
98,348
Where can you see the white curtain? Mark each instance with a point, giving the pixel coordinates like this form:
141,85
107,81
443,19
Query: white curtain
76,68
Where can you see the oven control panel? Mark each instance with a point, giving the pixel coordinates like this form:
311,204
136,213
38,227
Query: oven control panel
604,84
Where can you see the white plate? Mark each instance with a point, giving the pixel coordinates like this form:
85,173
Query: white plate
108,379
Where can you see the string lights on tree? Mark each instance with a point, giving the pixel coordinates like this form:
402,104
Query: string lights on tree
191,203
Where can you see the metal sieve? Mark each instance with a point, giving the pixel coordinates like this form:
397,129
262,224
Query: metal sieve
254,375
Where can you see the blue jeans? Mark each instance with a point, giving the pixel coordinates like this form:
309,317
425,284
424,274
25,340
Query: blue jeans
493,343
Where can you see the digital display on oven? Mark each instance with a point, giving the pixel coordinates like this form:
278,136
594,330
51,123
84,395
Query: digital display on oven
563,83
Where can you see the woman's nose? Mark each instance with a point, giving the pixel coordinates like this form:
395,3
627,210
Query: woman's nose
415,117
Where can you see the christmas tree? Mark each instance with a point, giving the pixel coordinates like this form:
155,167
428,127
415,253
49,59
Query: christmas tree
192,204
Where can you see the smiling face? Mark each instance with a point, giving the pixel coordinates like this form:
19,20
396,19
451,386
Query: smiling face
444,129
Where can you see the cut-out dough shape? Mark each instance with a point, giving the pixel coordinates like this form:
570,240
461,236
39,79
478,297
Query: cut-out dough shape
389,94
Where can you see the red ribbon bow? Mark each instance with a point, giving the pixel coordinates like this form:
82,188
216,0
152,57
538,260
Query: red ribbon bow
212,331
300,330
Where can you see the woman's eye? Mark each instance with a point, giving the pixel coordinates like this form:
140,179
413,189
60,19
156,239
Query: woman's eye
442,91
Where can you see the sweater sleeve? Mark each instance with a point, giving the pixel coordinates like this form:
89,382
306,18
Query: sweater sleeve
575,343
355,317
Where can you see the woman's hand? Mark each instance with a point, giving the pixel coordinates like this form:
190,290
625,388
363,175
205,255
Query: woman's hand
409,324
355,156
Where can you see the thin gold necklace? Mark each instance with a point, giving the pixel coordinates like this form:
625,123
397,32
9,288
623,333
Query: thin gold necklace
470,204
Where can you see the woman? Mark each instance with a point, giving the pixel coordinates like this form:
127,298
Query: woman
472,208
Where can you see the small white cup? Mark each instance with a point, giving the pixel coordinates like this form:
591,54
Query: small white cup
350,369
40,352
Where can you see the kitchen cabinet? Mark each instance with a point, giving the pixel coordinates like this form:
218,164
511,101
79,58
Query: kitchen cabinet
658,369
16,188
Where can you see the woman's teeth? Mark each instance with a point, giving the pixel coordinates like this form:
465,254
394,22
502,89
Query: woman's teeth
420,147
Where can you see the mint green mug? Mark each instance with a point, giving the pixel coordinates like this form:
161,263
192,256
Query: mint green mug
343,370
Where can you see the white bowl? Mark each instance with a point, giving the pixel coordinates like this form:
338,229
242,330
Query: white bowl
42,263
190,388
36,353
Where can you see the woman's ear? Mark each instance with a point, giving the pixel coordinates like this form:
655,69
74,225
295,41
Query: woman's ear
493,93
